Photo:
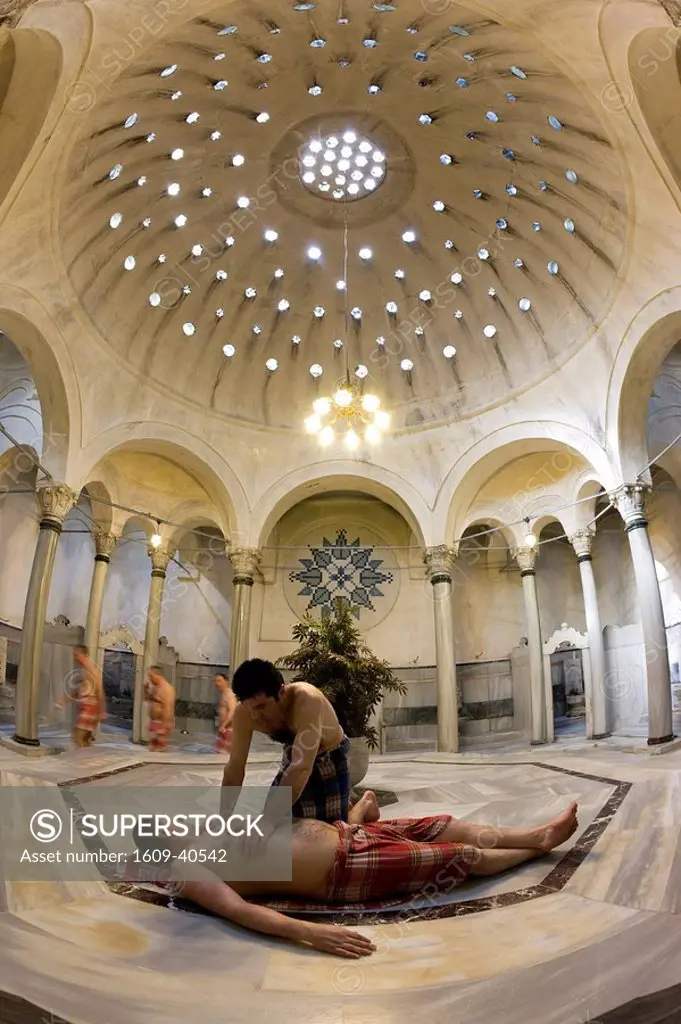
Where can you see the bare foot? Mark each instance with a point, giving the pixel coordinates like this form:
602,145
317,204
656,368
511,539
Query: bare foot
559,830
366,809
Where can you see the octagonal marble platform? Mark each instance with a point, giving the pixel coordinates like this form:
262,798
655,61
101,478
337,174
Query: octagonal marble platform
604,931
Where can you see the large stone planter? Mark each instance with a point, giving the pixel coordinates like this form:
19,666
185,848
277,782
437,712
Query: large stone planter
358,760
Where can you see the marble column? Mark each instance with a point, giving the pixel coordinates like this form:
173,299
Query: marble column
159,563
527,561
6,692
629,500
245,562
104,543
440,561
56,502
596,701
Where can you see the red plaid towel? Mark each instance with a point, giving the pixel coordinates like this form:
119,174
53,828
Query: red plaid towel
383,859
223,742
88,714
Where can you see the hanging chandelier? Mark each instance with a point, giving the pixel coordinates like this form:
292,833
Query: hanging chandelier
350,414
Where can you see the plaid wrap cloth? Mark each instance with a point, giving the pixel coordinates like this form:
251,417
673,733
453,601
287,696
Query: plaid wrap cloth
326,796
159,734
382,859
88,717
223,740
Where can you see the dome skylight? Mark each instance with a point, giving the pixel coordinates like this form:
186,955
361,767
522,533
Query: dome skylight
327,152
354,168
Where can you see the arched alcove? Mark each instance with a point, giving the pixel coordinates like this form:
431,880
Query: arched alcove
30,68
50,435
655,66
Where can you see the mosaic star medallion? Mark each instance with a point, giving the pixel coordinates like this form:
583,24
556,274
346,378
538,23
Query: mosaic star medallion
341,569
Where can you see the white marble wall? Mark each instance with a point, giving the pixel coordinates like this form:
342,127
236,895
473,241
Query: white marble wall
625,681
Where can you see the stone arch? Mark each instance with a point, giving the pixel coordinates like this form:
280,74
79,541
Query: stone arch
17,463
654,59
494,452
189,452
24,322
480,520
202,530
30,69
650,337
100,504
339,476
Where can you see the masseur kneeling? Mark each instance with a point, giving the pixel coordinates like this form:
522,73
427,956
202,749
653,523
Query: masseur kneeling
315,760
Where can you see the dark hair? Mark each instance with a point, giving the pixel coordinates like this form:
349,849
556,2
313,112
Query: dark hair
82,649
155,668
257,676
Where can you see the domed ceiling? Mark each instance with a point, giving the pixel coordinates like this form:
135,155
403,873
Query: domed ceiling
282,190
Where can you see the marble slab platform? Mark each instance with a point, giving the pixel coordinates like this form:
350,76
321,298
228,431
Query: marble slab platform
610,934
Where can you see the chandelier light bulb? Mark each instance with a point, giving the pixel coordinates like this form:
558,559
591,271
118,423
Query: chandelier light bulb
326,437
343,398
382,419
371,403
313,424
351,440
322,406
156,540
372,435
530,540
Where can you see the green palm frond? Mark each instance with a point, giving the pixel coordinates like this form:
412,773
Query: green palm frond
332,655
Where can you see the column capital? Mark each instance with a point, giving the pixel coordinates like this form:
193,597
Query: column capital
630,500
245,562
526,559
439,561
159,560
105,544
56,501
582,542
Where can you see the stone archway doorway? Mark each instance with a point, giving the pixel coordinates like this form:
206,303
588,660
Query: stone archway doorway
567,687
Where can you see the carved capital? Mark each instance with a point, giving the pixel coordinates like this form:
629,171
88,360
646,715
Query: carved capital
526,558
439,561
56,501
582,542
159,559
245,562
630,501
105,544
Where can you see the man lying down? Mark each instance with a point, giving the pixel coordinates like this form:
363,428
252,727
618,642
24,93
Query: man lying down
345,864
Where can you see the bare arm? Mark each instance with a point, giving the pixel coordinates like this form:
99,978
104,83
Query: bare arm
212,894
227,709
308,729
233,775
169,708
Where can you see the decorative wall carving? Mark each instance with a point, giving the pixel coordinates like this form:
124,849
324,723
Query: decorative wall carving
342,568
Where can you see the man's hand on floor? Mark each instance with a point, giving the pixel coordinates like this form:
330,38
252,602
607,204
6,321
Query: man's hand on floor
340,941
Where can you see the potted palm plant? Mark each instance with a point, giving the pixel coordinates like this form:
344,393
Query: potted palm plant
332,656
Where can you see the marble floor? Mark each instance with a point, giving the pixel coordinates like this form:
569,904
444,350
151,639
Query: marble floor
568,940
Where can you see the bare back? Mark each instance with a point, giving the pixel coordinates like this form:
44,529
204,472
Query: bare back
300,702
